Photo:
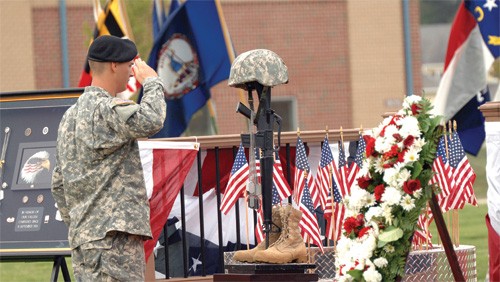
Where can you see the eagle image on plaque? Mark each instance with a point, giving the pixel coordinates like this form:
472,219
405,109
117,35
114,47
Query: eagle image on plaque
34,164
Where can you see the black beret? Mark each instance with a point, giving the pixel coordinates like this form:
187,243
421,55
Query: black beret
109,48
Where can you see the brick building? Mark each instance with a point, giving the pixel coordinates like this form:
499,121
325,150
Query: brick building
346,58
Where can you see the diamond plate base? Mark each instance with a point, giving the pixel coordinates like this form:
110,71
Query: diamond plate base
422,265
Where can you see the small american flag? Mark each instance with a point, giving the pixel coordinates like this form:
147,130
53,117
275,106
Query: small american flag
358,161
301,170
343,172
325,171
360,151
308,223
334,225
237,181
422,236
442,169
280,185
463,176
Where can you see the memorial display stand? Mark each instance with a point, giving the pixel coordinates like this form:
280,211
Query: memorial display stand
267,272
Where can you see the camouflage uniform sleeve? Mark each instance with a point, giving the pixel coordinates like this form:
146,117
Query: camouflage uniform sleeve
58,194
144,119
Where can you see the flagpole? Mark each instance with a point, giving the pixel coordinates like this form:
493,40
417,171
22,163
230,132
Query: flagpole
456,212
246,219
227,40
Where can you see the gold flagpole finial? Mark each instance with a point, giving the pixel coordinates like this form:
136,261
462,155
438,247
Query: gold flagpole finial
298,132
341,135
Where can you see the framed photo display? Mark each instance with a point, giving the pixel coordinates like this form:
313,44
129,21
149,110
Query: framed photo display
30,223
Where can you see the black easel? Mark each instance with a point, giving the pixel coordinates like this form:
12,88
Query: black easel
60,262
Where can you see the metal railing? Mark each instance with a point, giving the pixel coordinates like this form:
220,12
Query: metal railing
217,144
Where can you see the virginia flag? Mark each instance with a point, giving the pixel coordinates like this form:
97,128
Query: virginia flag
191,55
473,45
112,20
165,166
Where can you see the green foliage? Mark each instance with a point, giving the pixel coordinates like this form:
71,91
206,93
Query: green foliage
390,234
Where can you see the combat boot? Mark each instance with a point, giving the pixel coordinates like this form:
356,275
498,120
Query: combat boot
290,246
247,255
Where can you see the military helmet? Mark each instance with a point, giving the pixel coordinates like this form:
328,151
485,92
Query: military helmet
261,65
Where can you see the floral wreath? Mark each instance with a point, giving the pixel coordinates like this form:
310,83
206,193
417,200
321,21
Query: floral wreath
392,190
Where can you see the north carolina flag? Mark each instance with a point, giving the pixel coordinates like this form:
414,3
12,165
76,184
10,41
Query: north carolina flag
165,166
473,45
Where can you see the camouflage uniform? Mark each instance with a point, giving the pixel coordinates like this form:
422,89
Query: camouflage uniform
98,182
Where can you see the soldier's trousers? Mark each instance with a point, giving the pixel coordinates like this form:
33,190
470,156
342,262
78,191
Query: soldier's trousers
117,257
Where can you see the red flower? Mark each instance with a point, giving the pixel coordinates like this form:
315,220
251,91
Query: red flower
363,231
370,145
415,109
350,225
401,155
388,165
353,224
379,190
364,181
398,137
411,186
409,141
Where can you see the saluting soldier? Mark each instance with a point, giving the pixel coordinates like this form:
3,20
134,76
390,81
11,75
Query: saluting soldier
98,182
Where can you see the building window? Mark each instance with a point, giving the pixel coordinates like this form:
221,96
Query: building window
286,108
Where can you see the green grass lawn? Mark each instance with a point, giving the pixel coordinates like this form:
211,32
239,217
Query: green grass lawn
472,232
30,271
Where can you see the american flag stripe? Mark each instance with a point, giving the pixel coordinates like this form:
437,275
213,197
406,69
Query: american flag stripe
309,226
259,231
323,180
324,183
334,225
237,181
236,186
463,176
280,181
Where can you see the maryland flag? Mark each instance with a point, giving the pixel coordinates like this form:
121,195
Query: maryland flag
110,20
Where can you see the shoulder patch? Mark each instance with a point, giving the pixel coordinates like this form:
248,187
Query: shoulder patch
121,102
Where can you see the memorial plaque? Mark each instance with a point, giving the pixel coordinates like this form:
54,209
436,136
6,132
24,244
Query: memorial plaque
30,224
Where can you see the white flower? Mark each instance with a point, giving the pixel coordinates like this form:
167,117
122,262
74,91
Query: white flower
358,197
419,143
409,126
391,196
343,245
346,278
408,203
403,176
370,200
390,130
365,249
372,275
412,155
379,165
391,176
383,144
417,194
387,213
389,248
380,262
373,212
365,169
410,100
